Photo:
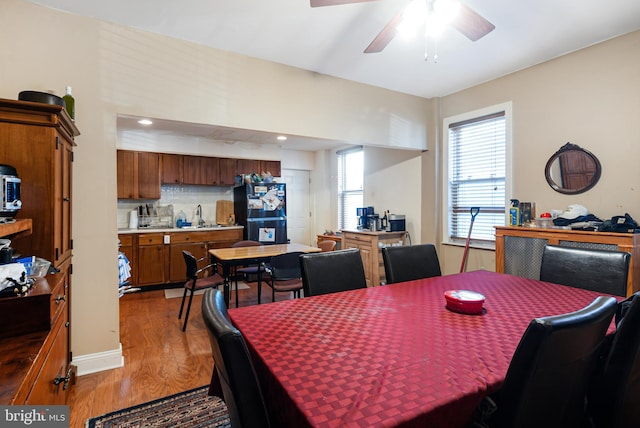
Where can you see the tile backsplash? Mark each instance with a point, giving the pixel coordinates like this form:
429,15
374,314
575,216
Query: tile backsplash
183,198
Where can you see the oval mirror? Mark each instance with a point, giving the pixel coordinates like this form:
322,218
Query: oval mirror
572,170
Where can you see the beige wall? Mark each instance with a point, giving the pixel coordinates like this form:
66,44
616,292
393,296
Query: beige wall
591,98
114,70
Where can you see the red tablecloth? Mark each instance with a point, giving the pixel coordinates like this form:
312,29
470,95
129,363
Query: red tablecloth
393,355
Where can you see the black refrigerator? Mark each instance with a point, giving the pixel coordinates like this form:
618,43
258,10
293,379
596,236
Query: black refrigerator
261,208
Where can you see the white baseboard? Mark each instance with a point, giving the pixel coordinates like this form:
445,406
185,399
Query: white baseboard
92,363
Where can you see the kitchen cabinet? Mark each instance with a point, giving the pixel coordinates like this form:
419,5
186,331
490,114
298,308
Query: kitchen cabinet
519,249
138,175
249,166
40,370
370,245
156,257
227,172
270,166
172,169
210,171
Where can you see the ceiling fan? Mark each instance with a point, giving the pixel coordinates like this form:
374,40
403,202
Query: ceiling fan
467,21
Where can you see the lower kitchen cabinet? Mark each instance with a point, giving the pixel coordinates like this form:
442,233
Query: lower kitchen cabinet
370,245
156,257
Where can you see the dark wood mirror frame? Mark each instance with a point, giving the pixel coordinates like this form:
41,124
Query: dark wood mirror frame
572,170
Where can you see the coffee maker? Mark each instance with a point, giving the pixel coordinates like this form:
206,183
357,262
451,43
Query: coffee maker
362,218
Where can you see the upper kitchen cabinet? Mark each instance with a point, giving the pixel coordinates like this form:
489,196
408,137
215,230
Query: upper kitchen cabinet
172,170
227,171
200,170
138,175
249,166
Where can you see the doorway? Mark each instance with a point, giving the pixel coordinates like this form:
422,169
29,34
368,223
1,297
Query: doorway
298,200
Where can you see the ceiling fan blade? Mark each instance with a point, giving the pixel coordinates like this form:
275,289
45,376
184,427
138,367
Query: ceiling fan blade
320,3
385,36
471,24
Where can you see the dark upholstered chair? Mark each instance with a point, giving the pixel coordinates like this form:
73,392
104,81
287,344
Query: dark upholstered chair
615,398
197,281
333,271
548,377
327,245
406,263
237,376
284,274
596,270
248,270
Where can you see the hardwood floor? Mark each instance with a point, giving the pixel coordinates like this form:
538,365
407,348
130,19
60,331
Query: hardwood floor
159,358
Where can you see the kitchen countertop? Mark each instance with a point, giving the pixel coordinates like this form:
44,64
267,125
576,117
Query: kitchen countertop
176,229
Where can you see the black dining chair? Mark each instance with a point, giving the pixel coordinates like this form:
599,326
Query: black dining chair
548,377
284,274
197,279
596,270
614,400
409,262
232,361
245,271
332,271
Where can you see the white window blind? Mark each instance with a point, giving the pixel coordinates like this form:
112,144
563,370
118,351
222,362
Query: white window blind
350,186
476,173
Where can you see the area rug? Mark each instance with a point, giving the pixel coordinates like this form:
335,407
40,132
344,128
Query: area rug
189,409
171,293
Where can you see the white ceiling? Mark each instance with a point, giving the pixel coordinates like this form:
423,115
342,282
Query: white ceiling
331,40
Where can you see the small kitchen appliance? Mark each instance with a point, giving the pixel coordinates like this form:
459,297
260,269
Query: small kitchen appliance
362,218
11,202
396,223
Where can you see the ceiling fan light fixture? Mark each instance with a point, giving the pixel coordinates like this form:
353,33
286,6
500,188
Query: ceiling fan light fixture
446,10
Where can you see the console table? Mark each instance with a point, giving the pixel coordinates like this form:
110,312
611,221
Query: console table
519,249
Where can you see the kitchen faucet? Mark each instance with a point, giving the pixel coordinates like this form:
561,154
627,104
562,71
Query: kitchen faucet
199,214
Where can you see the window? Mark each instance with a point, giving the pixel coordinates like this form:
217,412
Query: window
350,183
476,147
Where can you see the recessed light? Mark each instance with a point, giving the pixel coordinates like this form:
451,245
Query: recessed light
282,138
145,122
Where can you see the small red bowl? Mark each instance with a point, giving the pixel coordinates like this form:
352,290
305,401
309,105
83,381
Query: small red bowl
464,301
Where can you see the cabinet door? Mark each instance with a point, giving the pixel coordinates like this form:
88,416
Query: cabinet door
247,166
62,241
272,167
227,172
127,247
127,175
210,171
191,169
172,169
148,175
151,264
177,269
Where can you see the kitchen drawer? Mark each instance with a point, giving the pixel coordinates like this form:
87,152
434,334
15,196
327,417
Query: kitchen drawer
150,239
59,293
126,240
187,237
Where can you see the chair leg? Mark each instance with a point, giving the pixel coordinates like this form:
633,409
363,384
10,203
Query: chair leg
184,296
186,316
259,283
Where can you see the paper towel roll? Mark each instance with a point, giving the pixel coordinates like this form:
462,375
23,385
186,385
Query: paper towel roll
133,219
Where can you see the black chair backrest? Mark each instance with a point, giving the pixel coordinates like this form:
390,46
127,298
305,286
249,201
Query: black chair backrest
191,264
409,262
596,270
615,398
285,266
237,375
549,374
332,271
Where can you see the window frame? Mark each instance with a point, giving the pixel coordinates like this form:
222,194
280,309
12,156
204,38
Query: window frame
341,193
508,185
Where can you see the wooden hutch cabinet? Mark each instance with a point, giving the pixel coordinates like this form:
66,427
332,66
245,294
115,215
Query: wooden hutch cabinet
38,140
370,245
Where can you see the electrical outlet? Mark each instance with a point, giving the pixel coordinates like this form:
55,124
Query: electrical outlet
167,239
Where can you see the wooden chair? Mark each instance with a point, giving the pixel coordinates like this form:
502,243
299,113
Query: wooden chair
409,262
332,271
596,270
327,245
548,377
248,270
197,281
284,274
233,365
614,400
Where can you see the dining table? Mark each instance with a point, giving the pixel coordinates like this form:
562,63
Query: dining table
394,355
253,255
